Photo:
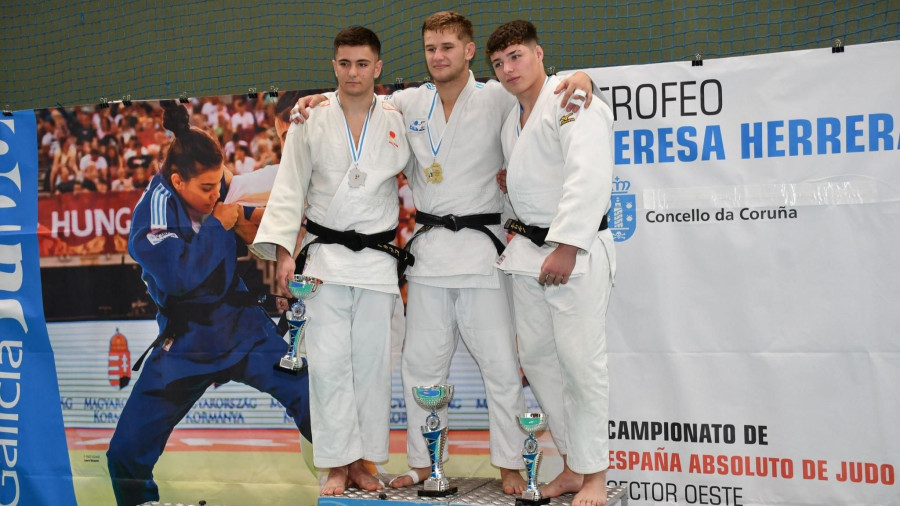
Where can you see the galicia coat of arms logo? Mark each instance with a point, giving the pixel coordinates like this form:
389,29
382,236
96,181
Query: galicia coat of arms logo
622,215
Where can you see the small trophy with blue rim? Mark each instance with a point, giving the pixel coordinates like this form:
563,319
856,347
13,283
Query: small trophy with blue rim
532,423
434,398
301,287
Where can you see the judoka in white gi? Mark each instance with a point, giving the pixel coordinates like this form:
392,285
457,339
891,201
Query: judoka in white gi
453,128
338,171
559,178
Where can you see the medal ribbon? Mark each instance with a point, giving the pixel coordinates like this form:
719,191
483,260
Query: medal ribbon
434,150
355,152
519,121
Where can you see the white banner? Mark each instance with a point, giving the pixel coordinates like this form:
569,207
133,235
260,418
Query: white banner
753,327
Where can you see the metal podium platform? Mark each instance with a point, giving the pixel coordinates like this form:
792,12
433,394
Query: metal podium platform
408,496
472,492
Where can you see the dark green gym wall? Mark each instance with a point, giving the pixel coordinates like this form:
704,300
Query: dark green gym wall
57,52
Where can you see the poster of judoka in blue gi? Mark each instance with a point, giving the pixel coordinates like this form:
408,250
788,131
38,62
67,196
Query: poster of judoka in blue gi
753,357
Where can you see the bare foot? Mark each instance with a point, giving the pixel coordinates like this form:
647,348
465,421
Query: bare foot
513,483
363,479
567,481
405,480
593,492
336,482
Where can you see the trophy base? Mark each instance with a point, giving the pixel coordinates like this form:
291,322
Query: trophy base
438,493
521,501
289,365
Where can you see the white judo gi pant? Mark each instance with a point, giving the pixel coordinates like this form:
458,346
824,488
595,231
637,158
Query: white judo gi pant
562,349
435,317
348,341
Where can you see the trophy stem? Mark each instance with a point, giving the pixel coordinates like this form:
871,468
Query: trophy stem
302,287
292,361
435,441
532,456
436,485
434,398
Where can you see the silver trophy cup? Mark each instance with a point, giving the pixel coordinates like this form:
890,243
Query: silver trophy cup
433,398
532,423
301,287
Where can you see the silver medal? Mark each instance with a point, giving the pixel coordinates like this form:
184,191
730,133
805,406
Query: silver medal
356,178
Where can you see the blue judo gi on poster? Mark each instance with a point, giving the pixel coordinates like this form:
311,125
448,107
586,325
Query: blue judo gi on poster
208,334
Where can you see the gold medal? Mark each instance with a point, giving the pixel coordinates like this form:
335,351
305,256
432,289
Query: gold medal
434,173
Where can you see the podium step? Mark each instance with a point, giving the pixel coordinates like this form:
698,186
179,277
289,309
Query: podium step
472,492
402,496
491,494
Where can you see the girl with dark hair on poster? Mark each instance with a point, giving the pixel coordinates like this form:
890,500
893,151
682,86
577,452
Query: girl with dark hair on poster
211,329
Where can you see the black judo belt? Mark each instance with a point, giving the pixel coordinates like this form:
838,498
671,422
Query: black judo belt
538,235
355,241
179,313
455,223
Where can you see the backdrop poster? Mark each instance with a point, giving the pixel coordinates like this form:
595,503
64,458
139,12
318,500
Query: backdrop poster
754,357
94,163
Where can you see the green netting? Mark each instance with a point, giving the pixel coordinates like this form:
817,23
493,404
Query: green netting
58,52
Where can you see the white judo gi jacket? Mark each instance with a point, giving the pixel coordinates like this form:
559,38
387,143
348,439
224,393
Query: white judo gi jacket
313,181
551,186
468,150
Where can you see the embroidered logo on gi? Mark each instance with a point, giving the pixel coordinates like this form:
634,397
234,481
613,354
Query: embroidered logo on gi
392,139
567,118
417,126
622,214
158,237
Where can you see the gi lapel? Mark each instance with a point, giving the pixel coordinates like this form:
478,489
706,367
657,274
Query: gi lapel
365,156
